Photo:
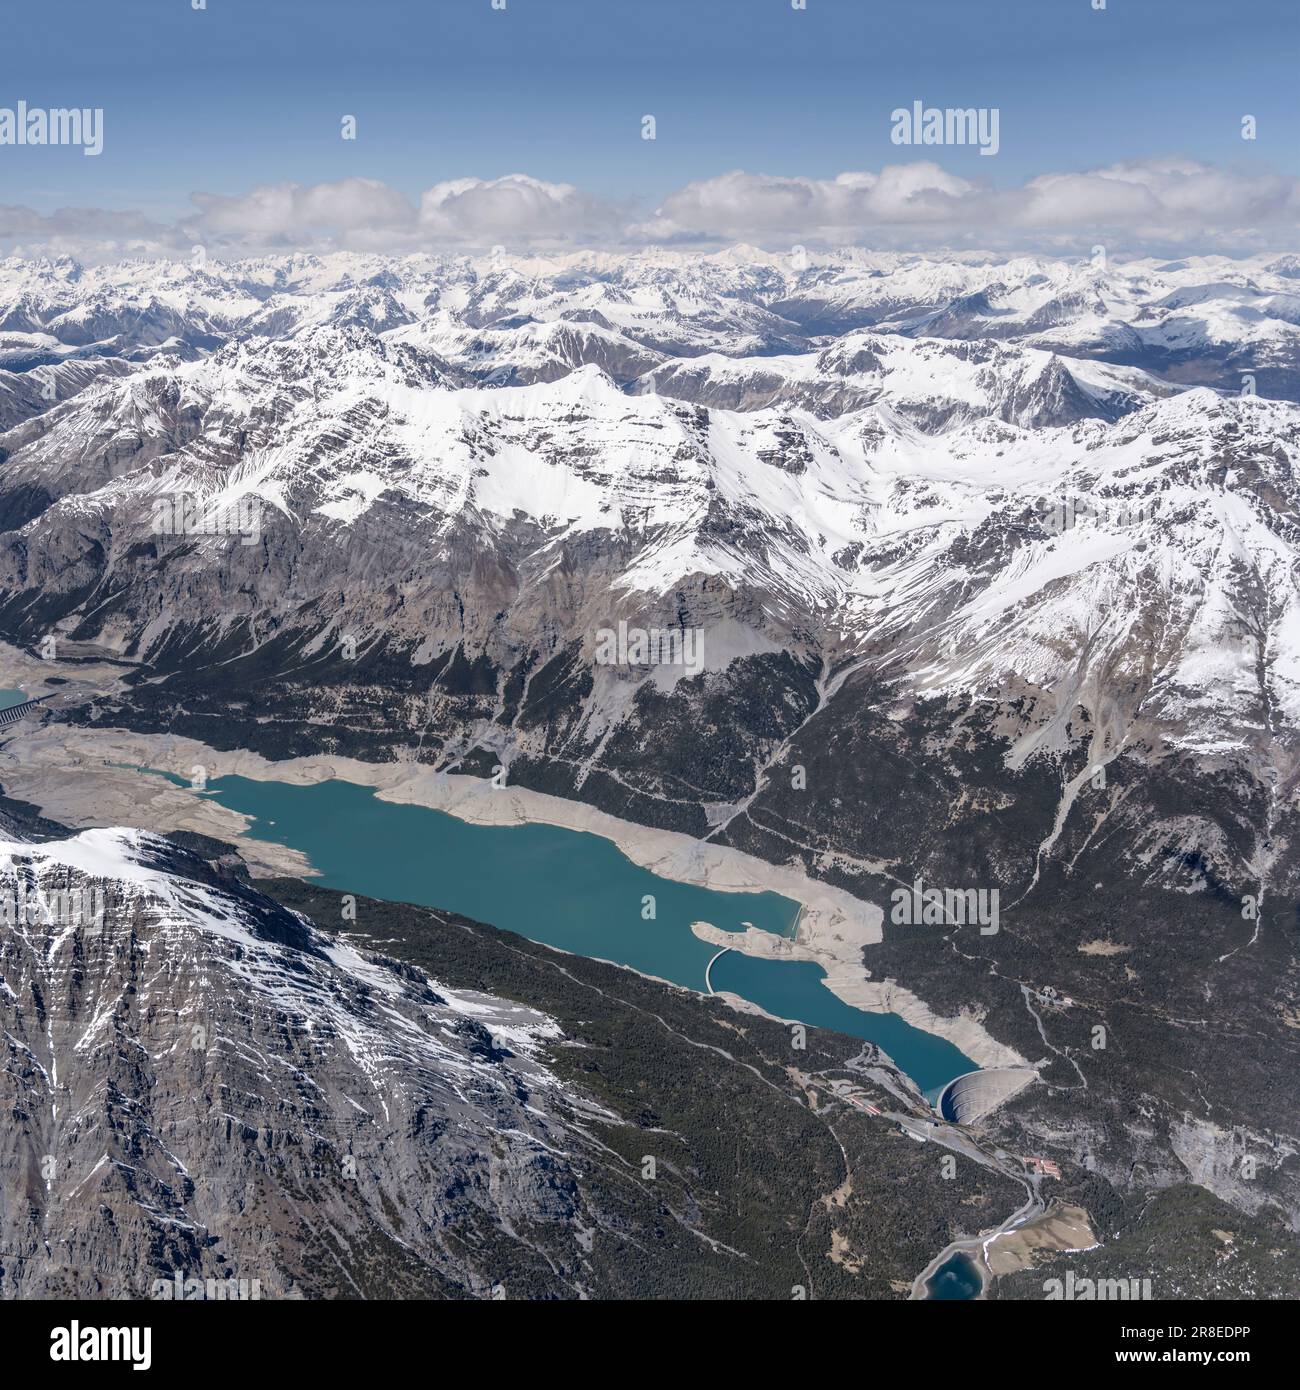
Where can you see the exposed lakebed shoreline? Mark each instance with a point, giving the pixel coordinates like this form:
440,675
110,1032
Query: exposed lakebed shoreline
64,769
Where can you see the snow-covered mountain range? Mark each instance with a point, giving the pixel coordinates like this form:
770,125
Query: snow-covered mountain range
1004,553
998,480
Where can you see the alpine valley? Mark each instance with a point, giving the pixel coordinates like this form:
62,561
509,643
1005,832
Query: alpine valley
989,572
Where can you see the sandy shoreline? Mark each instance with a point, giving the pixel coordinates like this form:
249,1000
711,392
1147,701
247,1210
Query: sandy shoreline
63,770
848,980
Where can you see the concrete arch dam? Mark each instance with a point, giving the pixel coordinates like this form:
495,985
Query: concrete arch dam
968,1098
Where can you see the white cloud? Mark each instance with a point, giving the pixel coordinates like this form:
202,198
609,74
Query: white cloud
921,201
754,205
1150,207
75,231
516,207
287,209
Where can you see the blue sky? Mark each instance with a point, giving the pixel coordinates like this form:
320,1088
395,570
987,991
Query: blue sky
252,91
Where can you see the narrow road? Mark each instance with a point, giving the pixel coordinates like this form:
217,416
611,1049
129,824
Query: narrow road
1035,1206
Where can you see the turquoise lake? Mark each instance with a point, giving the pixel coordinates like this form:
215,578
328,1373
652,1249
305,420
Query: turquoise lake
566,888
958,1278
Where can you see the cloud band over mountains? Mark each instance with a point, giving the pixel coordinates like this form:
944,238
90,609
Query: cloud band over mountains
1172,203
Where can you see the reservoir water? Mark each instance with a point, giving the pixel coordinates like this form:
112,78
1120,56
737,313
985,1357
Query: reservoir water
568,889
956,1278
